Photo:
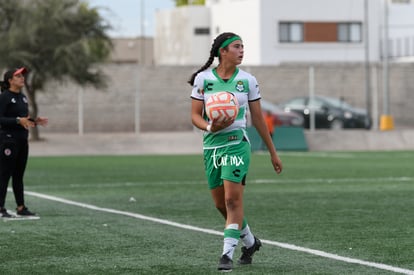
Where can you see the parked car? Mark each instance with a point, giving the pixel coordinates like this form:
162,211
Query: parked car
330,113
280,117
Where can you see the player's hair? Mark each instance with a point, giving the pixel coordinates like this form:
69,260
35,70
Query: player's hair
5,85
214,52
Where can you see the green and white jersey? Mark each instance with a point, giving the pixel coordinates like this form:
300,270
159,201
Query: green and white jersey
244,86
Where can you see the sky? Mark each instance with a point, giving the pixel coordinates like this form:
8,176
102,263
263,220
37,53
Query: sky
125,15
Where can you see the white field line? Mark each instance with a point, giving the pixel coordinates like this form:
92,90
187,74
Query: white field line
20,218
214,232
251,181
335,180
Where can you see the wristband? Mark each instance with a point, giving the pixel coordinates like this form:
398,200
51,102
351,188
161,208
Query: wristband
208,128
18,120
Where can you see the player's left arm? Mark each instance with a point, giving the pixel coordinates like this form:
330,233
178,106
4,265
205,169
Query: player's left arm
260,125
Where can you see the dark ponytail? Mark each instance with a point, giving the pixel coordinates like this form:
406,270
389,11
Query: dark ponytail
4,85
215,47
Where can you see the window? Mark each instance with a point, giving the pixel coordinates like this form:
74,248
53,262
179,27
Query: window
315,104
290,32
320,32
349,32
202,31
295,104
401,1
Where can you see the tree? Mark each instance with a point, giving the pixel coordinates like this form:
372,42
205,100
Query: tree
179,3
54,39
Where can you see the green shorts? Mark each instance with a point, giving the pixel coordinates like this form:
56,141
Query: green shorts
227,163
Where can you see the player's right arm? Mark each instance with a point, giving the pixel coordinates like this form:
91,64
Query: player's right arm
197,119
197,109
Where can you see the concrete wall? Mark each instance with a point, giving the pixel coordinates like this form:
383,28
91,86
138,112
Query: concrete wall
359,140
161,93
164,96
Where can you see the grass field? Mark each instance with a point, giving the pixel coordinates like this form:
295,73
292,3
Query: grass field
327,213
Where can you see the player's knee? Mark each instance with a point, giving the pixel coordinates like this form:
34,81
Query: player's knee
232,203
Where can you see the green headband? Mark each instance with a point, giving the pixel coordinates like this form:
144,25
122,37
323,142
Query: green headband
228,42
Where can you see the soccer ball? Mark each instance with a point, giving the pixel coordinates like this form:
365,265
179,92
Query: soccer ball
221,106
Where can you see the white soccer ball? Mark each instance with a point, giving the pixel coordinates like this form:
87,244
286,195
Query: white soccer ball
222,106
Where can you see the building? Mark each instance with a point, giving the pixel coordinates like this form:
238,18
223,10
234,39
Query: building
182,35
401,30
279,31
133,50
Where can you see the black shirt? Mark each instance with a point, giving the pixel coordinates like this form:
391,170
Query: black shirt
13,105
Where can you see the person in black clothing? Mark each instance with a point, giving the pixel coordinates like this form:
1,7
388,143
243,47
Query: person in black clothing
14,132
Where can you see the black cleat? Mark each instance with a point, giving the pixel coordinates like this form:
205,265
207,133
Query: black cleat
4,213
247,253
225,264
24,212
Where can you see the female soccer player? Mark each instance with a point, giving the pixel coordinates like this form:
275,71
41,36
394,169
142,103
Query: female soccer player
14,148
226,145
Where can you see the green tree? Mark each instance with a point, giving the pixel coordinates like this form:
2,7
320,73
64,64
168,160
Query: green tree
54,39
179,3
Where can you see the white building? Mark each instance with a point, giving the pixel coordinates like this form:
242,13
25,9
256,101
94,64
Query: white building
401,30
280,31
182,35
